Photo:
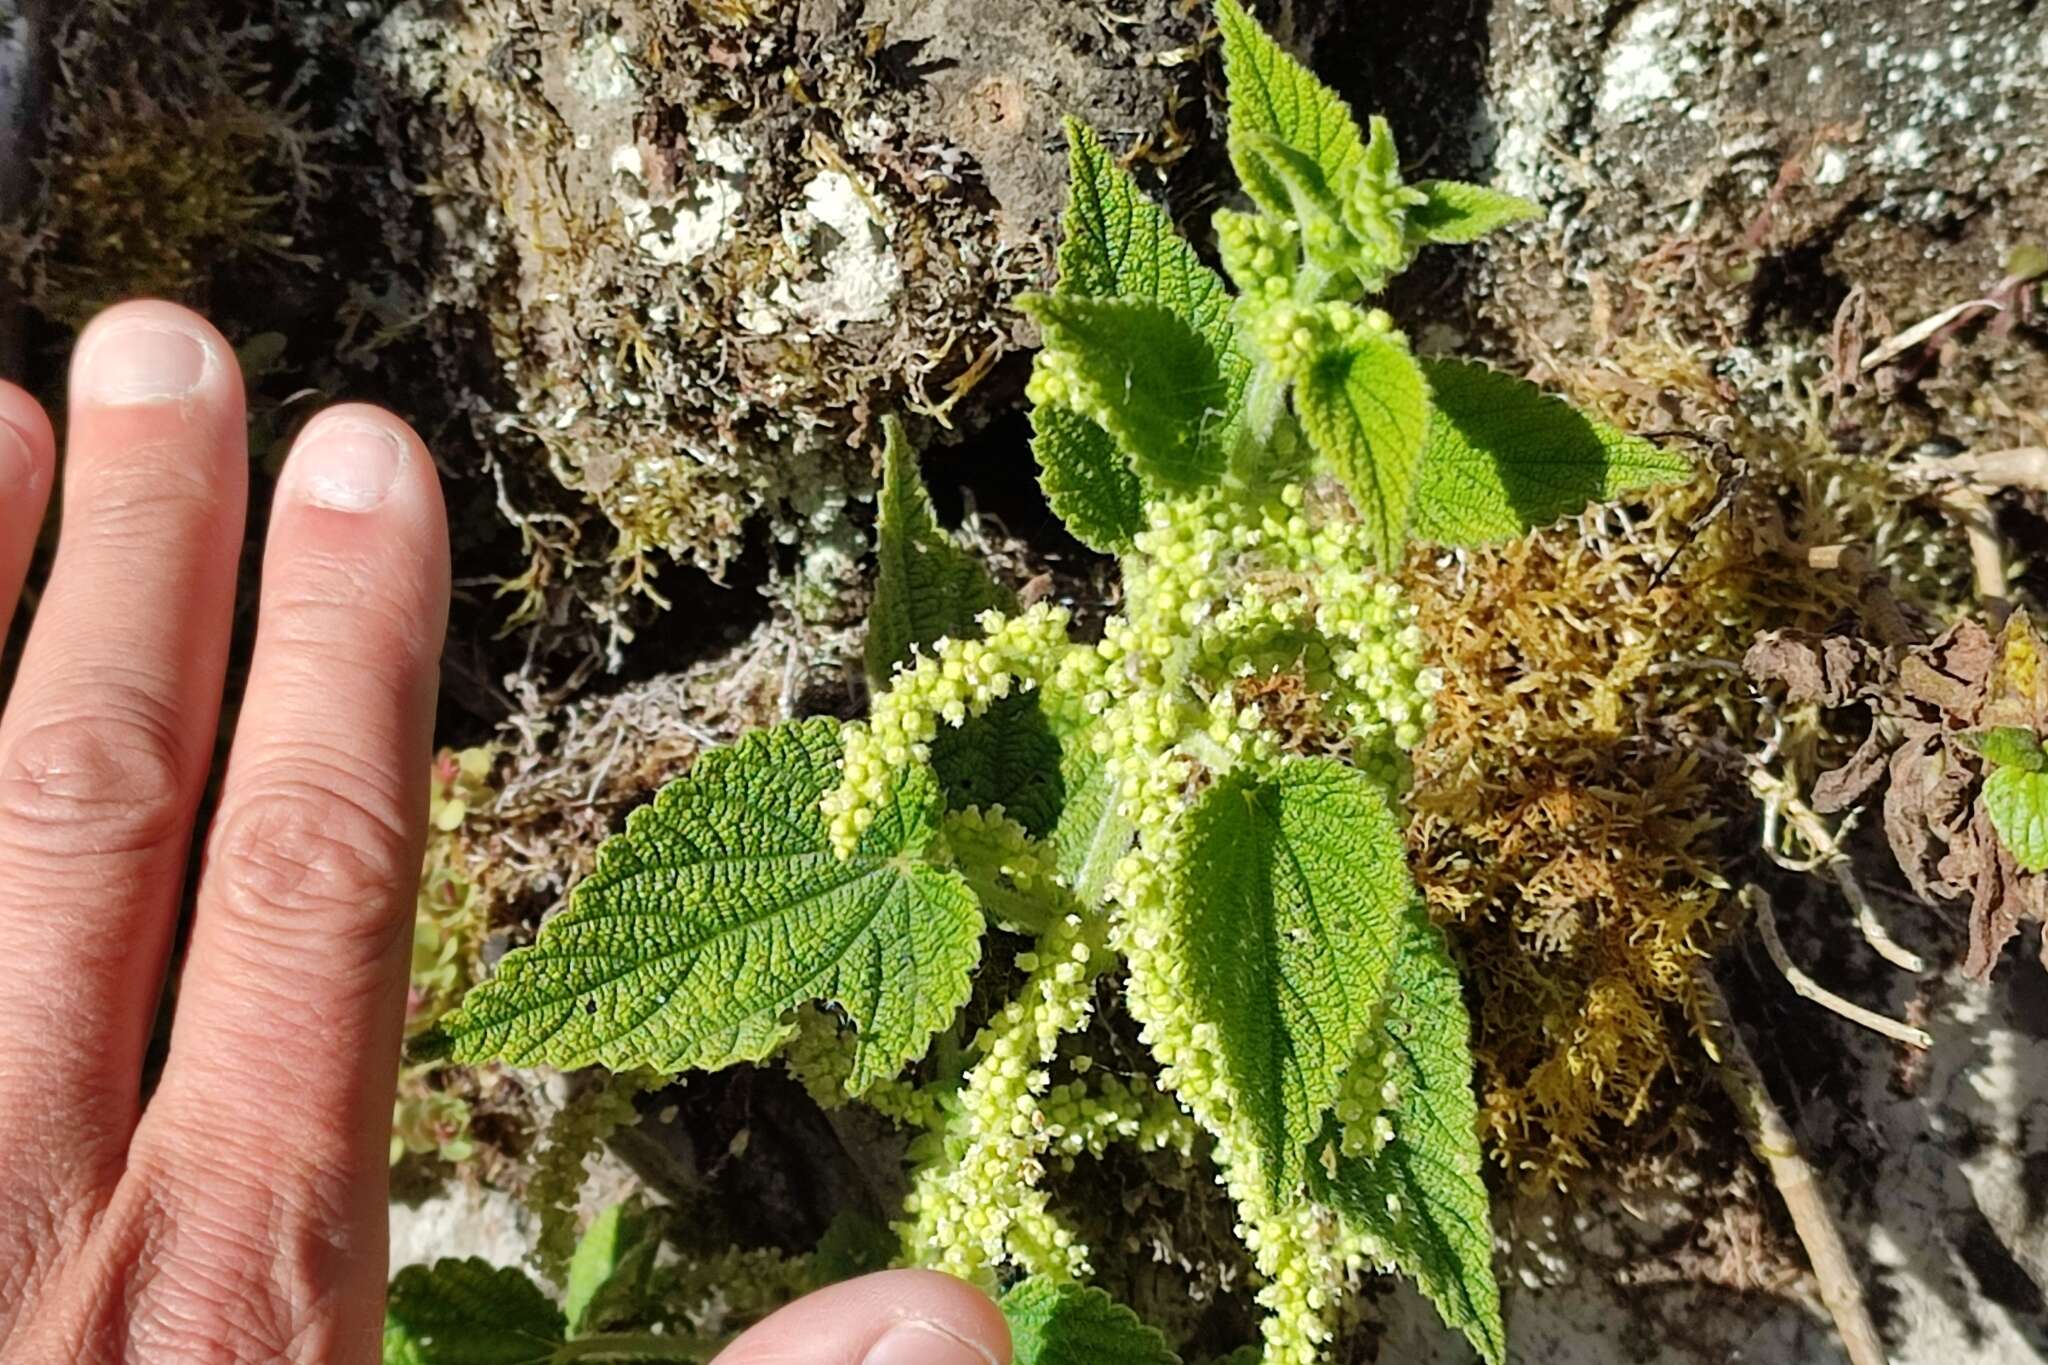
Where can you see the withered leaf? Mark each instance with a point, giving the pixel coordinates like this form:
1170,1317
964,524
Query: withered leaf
2003,896
1843,787
1832,670
1916,770
1949,674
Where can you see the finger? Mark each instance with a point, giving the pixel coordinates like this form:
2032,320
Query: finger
897,1317
109,732
294,982
27,455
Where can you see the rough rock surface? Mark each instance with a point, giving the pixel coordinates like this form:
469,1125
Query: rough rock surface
1772,183
705,244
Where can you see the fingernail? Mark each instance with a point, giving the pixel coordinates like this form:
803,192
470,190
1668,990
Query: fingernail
18,471
348,464
925,1343
143,362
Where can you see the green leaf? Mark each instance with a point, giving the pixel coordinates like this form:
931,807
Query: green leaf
1273,94
1290,891
721,908
853,1244
1005,757
1454,212
468,1312
1117,243
930,588
1364,406
2009,746
927,587
1377,206
611,1274
1332,250
1504,456
1087,481
1438,1230
1093,834
2017,802
1143,374
1054,1323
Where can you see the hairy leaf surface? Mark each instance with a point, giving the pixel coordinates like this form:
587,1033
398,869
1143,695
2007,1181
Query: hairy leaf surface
1453,212
1148,377
1364,406
1069,1324
1438,1227
1272,93
2009,746
468,1312
1117,243
929,588
610,1276
2017,802
1290,892
1504,457
1092,833
926,587
1005,757
721,907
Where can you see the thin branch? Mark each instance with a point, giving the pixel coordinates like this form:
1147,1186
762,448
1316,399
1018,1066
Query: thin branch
1781,800
1767,925
2024,467
1970,507
1775,1144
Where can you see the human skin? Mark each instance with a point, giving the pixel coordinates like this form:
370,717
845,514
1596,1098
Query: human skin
241,1215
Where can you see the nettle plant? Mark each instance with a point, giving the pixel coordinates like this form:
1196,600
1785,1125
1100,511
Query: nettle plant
1197,814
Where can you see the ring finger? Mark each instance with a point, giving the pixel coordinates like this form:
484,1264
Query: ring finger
108,735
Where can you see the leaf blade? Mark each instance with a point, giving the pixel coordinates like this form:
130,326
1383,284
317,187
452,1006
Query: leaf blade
2017,802
1117,243
1364,405
1288,892
1143,374
1440,1233
1454,212
724,905
927,587
1504,457
1069,1324
609,1274
468,1312
1273,93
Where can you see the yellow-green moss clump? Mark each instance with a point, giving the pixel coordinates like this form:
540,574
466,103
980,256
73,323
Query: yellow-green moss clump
164,156
1581,802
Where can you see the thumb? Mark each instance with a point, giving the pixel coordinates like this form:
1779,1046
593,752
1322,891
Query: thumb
896,1317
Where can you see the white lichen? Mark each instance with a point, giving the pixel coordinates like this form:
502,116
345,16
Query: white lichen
675,229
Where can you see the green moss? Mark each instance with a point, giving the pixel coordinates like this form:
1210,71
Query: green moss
165,156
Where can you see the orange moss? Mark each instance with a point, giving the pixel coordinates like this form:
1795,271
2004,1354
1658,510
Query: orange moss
1570,800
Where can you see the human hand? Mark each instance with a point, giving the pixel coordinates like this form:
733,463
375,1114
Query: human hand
242,1215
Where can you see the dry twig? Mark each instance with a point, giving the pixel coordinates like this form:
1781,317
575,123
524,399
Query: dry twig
1809,989
1772,1139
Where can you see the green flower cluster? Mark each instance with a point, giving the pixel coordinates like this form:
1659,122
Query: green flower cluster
975,1200
958,679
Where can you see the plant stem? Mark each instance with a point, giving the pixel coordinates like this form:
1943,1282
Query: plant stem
1772,1139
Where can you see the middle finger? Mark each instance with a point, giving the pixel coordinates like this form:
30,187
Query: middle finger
109,733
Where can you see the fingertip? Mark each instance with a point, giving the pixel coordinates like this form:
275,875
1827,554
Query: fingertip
358,459
893,1317
939,1316
148,352
28,447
